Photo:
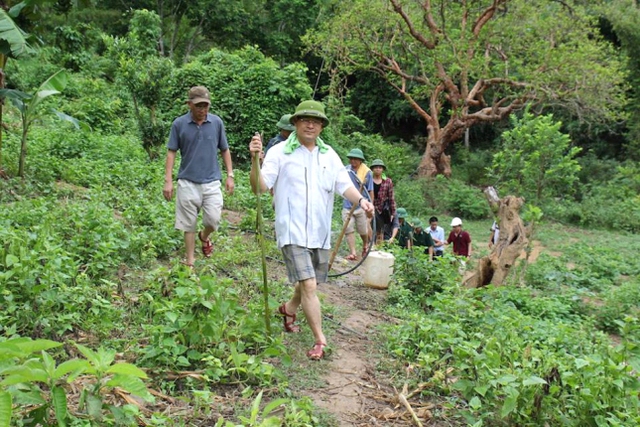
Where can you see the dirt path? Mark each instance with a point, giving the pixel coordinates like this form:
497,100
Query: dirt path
353,392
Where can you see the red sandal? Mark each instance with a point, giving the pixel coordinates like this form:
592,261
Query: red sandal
317,352
288,326
207,246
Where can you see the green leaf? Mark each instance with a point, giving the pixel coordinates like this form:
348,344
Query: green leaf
127,369
31,346
76,365
5,409
15,41
59,399
52,86
533,380
89,354
507,379
94,407
11,260
131,384
475,403
271,406
509,405
75,122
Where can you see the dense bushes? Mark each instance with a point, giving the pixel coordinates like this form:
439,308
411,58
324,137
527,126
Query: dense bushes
441,195
249,91
511,368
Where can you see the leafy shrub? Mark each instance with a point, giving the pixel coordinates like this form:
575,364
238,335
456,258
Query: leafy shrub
465,201
536,160
441,195
399,157
514,369
249,91
619,302
413,272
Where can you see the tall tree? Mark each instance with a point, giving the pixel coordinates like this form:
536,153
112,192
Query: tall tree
624,16
475,61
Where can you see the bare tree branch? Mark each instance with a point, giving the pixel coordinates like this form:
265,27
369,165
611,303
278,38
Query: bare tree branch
412,29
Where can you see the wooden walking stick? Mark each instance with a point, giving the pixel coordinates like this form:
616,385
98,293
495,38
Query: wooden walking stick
344,230
260,235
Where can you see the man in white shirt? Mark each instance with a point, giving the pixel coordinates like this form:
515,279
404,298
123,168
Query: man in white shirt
304,174
437,234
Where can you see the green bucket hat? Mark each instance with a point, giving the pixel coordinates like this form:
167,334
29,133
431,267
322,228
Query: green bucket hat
378,162
356,153
402,213
416,223
285,123
310,109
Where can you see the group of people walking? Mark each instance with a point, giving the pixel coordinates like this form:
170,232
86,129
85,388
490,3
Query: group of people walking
302,173
391,223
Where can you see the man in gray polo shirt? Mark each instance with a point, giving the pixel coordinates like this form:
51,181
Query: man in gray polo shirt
198,135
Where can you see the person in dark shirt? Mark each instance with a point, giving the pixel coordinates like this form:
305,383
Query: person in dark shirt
285,127
422,238
405,230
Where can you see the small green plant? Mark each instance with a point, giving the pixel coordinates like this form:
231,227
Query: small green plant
24,375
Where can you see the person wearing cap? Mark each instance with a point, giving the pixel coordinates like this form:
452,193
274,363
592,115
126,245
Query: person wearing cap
285,127
199,136
362,178
383,200
422,238
405,230
461,239
437,234
305,173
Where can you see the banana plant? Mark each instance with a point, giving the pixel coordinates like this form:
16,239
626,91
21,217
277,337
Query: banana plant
28,106
13,44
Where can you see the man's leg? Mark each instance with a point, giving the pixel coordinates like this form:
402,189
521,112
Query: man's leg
311,307
211,208
188,199
190,246
349,230
351,241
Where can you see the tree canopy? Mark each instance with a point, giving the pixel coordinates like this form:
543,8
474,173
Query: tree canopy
459,64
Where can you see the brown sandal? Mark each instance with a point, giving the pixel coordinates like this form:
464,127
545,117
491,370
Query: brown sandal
288,326
207,246
317,352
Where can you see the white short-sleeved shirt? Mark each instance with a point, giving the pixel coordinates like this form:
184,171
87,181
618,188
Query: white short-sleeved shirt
304,184
438,233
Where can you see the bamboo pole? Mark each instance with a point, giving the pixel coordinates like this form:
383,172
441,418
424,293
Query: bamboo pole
260,235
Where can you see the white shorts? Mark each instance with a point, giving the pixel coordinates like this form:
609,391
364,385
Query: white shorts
191,197
359,218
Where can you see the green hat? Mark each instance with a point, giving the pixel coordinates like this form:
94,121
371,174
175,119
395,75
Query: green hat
378,162
285,123
416,223
402,213
356,153
310,109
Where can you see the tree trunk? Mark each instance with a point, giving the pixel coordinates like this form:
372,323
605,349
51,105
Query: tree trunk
494,268
23,151
434,161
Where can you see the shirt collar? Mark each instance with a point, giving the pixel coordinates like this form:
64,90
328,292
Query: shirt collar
292,143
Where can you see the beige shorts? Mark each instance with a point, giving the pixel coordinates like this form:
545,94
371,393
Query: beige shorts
192,197
359,218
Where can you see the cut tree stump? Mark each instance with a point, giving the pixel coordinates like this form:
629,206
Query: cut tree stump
494,268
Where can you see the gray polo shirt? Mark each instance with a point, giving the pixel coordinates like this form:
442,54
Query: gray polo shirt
198,146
